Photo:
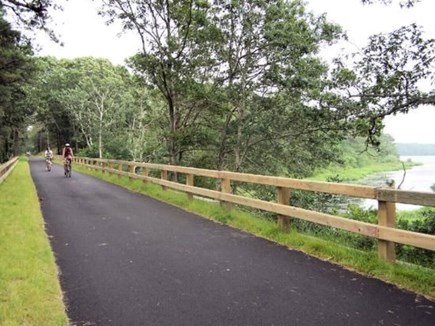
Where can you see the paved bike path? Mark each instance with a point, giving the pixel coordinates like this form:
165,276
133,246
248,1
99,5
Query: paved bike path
127,259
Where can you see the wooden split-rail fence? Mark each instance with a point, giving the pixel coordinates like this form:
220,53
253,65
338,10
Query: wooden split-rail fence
385,231
7,167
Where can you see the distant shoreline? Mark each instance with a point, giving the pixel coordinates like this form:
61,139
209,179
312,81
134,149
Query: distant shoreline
352,174
415,149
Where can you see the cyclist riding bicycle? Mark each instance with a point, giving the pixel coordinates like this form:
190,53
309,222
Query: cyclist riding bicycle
67,155
48,158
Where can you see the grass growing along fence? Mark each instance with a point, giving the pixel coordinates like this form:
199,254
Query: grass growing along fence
415,278
30,293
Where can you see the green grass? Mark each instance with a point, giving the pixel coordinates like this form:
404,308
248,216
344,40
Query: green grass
30,293
411,277
353,174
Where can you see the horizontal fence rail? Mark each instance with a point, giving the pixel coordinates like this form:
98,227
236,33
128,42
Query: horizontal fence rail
7,167
385,231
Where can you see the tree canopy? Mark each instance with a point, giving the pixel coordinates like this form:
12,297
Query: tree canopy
17,67
30,14
15,71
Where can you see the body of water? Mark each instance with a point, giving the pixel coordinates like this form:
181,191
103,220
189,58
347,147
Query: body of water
418,178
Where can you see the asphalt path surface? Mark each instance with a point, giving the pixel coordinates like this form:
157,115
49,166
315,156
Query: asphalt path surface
127,259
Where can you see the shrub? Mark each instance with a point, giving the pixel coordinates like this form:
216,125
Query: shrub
423,221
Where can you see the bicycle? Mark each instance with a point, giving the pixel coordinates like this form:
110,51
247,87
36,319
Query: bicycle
67,168
48,164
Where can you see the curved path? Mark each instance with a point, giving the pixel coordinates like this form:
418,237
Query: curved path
126,259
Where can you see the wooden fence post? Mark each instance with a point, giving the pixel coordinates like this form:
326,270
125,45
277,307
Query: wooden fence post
283,197
189,182
145,173
386,217
131,170
164,176
226,188
119,168
110,167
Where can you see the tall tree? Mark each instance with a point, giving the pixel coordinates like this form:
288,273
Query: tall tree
171,59
54,78
144,110
15,64
268,48
100,95
16,68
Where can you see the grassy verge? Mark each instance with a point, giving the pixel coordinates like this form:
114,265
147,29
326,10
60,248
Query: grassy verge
29,288
353,174
411,277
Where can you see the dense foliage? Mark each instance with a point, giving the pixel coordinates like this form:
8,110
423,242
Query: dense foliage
422,221
98,107
235,79
15,70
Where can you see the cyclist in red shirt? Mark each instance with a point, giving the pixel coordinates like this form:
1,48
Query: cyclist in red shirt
67,154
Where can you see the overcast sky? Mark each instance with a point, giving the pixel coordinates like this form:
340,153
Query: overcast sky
84,33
